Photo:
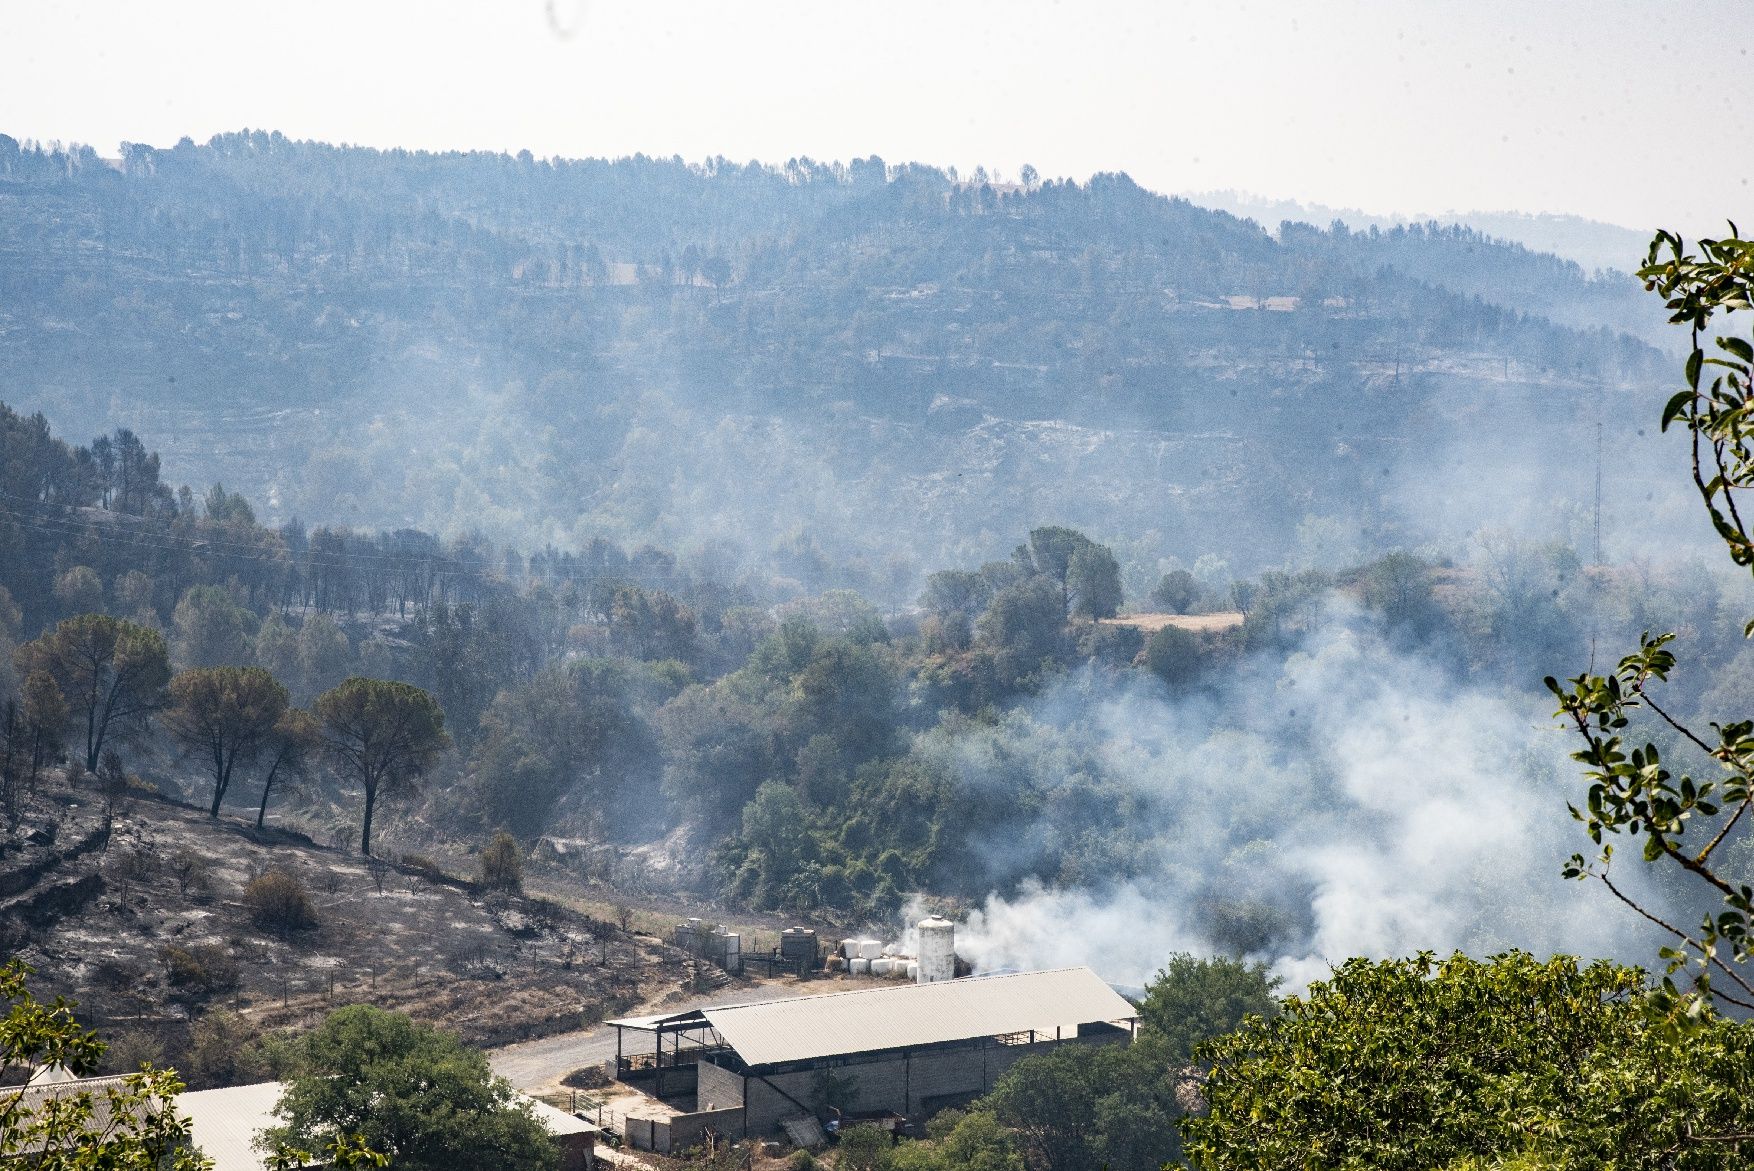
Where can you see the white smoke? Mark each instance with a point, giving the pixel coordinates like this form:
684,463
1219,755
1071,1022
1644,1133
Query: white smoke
1401,810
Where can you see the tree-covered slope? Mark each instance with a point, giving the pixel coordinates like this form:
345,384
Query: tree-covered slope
880,361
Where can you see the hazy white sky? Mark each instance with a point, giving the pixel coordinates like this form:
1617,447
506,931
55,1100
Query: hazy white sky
1623,110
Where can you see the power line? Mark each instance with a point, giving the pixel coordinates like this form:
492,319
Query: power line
66,527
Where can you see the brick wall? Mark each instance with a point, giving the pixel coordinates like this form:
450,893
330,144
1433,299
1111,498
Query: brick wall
721,1087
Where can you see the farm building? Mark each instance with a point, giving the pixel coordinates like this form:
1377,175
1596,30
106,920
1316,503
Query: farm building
902,1052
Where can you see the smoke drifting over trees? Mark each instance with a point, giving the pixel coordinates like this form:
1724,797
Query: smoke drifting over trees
784,525
842,374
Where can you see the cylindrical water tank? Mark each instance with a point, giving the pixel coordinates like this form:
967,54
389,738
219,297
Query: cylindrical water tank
913,969
937,950
859,967
881,967
870,948
849,948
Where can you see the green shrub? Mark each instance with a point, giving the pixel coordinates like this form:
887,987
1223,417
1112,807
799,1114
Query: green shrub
201,969
278,902
863,1148
226,1049
501,867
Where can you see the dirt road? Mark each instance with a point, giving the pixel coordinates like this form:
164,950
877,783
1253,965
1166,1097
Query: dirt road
535,1065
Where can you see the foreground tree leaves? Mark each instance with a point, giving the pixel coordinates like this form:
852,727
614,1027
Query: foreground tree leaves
1632,791
131,1127
1424,1064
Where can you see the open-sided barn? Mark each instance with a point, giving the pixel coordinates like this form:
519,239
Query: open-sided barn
906,1050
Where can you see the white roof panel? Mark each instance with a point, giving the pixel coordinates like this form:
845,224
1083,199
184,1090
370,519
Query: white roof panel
558,1121
908,1015
223,1123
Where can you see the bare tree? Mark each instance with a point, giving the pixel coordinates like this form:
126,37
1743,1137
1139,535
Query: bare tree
379,871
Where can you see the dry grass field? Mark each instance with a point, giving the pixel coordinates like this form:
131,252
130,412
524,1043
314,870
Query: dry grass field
1198,623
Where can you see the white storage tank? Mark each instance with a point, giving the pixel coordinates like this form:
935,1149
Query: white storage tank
871,949
913,970
937,950
881,967
849,948
859,967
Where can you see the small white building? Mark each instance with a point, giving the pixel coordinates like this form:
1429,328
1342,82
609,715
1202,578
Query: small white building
224,1124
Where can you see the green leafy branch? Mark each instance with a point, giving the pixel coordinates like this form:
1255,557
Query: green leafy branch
1631,791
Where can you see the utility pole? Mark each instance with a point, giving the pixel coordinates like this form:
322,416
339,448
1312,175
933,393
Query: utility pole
1598,491
1596,586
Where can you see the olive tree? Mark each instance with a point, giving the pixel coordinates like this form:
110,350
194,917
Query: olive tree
1677,819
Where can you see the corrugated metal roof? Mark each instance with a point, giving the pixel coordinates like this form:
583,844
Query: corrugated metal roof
909,1015
648,1023
55,1086
558,1121
223,1123
681,1017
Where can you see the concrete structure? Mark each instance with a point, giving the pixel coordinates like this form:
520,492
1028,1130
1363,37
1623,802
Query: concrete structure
798,945
721,947
907,1049
224,1124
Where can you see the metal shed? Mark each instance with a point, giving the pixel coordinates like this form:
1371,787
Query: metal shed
912,1049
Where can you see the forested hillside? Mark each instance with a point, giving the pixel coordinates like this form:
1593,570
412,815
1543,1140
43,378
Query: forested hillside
846,374
1007,735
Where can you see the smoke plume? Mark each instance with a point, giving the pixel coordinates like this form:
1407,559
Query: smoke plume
1347,799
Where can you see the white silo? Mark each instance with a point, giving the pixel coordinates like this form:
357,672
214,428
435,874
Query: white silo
937,950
